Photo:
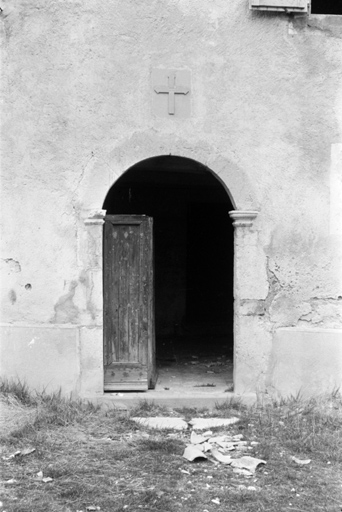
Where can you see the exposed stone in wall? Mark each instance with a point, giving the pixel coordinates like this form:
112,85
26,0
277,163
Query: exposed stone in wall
323,312
282,308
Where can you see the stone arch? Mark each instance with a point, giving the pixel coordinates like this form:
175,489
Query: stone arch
105,168
102,172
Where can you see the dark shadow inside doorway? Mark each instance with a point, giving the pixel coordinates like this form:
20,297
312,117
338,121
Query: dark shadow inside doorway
193,263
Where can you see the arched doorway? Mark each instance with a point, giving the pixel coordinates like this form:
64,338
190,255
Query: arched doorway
193,264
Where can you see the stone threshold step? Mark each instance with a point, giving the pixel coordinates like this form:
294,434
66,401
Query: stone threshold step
132,400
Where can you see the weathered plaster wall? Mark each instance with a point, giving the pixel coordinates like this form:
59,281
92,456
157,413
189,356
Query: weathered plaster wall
266,117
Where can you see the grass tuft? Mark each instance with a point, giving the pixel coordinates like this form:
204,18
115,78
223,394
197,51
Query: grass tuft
150,408
17,389
232,404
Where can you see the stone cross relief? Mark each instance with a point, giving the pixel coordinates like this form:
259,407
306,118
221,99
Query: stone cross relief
171,89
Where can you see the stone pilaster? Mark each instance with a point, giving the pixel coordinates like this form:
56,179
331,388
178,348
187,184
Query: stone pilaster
91,334
246,262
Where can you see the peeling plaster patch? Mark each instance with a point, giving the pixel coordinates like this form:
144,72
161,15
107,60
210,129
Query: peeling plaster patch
14,266
12,296
285,307
65,309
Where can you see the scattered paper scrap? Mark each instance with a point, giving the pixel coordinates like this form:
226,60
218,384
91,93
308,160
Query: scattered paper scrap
42,478
247,462
192,453
92,507
216,500
11,481
204,423
162,422
27,451
301,462
18,453
15,454
185,471
225,459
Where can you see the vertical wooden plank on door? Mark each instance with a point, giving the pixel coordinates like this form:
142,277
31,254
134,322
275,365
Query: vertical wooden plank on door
149,269
128,295
108,311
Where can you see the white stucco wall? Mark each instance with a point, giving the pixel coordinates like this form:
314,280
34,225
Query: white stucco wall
266,117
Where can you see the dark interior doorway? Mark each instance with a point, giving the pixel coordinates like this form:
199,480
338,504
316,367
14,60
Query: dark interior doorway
193,255
326,7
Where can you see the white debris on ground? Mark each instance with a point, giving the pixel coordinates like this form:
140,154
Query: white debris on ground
301,462
224,449
192,453
217,447
40,477
20,453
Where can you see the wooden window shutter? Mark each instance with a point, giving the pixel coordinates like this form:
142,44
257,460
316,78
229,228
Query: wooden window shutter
279,5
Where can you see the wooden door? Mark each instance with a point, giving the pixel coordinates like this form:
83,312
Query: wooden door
129,339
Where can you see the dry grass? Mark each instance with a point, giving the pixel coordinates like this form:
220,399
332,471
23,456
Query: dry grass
102,459
13,414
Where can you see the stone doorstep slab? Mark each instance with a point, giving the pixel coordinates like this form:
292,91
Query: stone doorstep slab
130,400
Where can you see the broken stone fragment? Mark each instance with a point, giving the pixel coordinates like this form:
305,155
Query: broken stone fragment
162,422
193,453
224,459
205,423
197,438
206,447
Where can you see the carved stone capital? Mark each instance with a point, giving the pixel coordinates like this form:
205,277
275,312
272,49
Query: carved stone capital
94,217
243,217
